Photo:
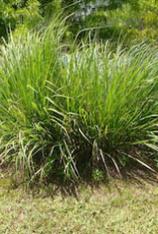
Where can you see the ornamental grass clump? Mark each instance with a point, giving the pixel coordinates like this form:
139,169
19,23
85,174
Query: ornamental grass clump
65,114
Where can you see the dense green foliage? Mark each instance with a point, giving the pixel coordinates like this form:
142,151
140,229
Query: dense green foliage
99,19
18,16
68,115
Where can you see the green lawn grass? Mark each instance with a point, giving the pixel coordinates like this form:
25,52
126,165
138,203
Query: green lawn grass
125,208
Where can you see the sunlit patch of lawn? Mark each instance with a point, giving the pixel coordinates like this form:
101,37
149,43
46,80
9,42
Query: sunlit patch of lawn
108,209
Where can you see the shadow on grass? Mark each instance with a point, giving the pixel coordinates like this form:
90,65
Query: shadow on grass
134,176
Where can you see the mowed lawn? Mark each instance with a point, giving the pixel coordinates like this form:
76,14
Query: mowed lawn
117,208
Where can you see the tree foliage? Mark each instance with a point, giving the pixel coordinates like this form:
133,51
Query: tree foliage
18,14
102,19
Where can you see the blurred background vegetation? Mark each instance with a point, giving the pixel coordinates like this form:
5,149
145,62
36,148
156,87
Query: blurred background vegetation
130,20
